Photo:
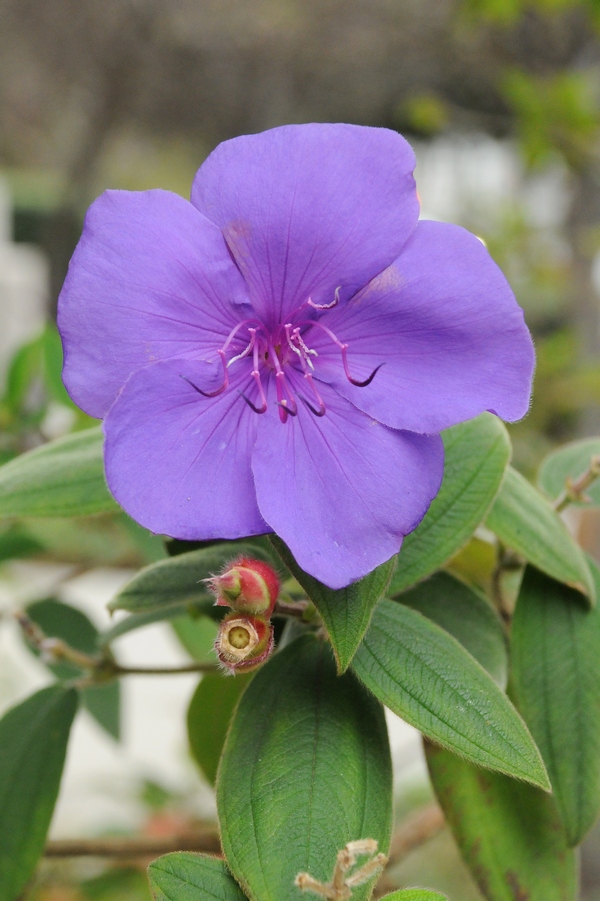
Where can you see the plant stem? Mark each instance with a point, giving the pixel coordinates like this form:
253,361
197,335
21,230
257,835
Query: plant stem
164,670
142,846
574,490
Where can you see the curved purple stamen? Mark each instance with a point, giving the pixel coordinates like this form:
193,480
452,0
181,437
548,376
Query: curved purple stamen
221,388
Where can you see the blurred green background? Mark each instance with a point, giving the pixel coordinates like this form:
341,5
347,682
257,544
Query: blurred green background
501,99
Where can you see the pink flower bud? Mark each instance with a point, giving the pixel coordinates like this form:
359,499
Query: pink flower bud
243,642
247,586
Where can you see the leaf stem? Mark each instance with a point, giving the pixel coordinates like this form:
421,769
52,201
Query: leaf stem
574,490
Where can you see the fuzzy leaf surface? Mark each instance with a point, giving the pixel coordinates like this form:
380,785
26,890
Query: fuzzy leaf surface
525,522
62,478
556,683
346,612
33,744
305,769
570,461
465,615
209,715
184,876
425,676
508,833
179,579
477,454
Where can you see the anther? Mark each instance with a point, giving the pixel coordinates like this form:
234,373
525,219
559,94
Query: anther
326,306
367,381
263,406
221,387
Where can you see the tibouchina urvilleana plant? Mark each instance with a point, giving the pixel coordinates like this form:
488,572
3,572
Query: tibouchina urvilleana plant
302,388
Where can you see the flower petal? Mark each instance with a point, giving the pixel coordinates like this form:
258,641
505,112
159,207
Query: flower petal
179,463
342,490
308,208
445,324
150,279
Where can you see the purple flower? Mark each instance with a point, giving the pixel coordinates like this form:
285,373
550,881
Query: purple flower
281,353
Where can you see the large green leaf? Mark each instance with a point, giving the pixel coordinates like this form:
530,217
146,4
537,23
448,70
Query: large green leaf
209,715
184,876
305,769
59,620
414,894
465,615
178,579
477,453
570,461
140,620
509,833
425,676
346,612
62,478
556,682
197,634
524,521
33,743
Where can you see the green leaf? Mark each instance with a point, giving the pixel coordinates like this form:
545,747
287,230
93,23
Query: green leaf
62,478
16,542
570,461
139,620
306,768
33,743
59,620
414,894
555,645
346,612
24,368
209,715
184,876
197,635
426,677
524,521
509,833
477,453
465,615
180,578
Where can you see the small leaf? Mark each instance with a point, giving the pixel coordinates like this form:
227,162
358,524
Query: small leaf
524,521
197,634
466,616
570,461
426,677
305,769
59,620
477,453
209,715
509,833
414,894
33,743
62,478
346,612
179,578
555,648
184,876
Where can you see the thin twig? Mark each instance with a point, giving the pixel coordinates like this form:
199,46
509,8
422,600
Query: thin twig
415,831
142,846
574,490
164,670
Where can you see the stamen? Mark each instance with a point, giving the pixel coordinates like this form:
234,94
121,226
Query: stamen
221,388
326,306
344,348
245,353
302,350
321,410
236,329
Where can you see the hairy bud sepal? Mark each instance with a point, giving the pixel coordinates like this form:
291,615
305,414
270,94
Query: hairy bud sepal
247,586
243,642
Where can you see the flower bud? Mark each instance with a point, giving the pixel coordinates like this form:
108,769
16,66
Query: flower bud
243,642
247,586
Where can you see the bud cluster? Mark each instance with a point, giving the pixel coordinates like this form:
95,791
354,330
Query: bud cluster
250,587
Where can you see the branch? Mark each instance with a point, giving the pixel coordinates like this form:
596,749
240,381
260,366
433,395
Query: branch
143,846
574,490
164,670
416,830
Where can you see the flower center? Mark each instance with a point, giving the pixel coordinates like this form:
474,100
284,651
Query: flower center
277,350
